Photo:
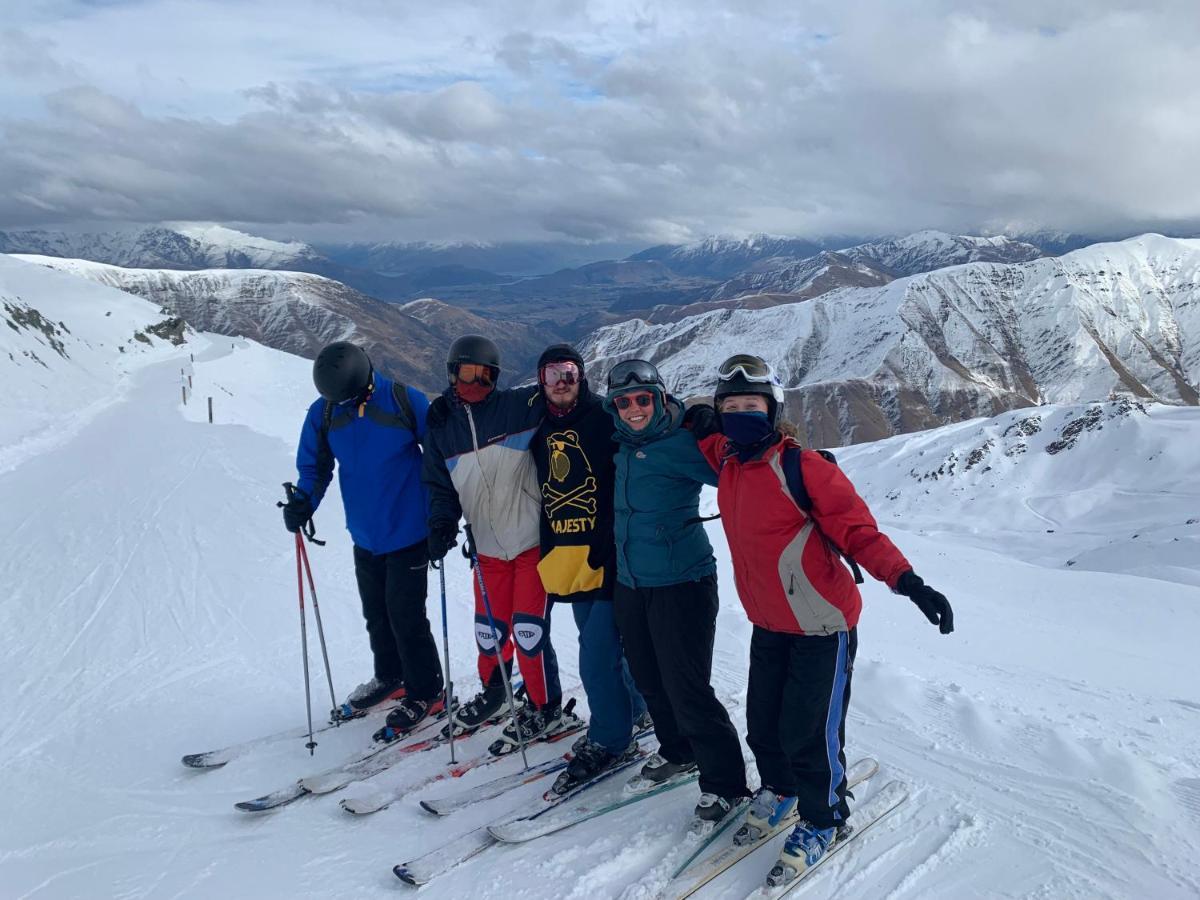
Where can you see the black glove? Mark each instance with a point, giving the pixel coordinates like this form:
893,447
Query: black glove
297,511
935,606
600,555
701,420
442,536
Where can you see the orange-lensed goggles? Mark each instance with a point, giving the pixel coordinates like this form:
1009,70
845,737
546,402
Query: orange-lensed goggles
469,373
642,399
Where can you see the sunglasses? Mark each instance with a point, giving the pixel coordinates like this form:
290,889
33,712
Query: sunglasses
560,373
469,373
624,401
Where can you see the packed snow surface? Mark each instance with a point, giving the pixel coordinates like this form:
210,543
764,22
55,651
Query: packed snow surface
1051,743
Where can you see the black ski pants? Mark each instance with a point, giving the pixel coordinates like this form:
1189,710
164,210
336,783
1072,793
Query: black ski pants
796,718
668,635
393,590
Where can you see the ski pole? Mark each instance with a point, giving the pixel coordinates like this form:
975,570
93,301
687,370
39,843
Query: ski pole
312,744
487,606
312,589
446,648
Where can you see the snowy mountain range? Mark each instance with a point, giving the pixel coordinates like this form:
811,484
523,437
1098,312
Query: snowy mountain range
300,313
864,363
872,264
184,246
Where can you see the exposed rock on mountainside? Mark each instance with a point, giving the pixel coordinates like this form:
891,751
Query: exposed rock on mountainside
974,340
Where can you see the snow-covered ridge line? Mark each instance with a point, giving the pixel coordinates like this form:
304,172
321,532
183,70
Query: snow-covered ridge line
970,340
172,246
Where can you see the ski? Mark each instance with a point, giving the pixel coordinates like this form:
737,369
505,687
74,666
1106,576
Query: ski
890,796
365,805
440,860
694,873
553,813
214,759
443,806
376,758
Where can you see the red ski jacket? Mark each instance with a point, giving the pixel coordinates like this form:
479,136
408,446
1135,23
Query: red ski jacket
788,577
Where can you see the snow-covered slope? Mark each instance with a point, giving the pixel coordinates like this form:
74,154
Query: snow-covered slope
226,248
67,350
954,344
724,257
925,251
1109,487
1051,743
292,311
807,278
172,246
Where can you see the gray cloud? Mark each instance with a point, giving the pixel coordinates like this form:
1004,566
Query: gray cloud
608,121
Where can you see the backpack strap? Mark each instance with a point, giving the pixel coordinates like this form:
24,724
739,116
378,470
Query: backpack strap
408,419
794,474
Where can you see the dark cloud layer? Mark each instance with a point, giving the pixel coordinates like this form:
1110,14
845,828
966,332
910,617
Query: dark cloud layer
613,120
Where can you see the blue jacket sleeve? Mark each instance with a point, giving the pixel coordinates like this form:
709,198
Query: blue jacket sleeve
692,462
314,457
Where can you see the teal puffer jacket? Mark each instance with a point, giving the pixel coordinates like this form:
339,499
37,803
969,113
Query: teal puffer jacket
658,478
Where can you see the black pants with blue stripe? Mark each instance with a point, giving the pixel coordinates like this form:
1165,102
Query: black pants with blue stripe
796,718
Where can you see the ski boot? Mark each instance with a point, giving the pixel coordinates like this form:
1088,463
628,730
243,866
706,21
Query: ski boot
767,810
804,848
641,724
536,725
486,706
407,715
365,696
655,771
588,762
712,810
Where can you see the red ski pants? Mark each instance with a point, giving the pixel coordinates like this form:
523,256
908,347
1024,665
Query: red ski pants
522,615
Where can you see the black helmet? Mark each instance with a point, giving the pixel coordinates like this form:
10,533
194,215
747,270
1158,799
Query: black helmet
473,348
749,374
342,372
633,373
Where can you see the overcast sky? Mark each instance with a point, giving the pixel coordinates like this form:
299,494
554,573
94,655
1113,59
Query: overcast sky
608,120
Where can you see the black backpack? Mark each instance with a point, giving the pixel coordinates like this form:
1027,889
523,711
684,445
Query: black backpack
405,418
795,483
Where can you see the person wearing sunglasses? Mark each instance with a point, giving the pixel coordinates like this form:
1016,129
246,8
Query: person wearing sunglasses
478,466
370,427
791,516
574,451
665,598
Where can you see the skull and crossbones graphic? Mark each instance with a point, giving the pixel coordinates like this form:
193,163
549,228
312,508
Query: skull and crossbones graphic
564,449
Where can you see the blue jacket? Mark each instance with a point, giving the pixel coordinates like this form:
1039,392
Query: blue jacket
659,473
379,467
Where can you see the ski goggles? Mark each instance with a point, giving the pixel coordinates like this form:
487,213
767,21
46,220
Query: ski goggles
565,372
642,398
469,373
750,367
632,371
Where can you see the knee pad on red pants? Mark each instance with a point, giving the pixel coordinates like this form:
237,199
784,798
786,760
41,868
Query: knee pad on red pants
485,639
531,633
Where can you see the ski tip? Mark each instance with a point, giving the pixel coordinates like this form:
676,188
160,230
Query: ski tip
253,806
406,876
202,761
429,808
356,808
